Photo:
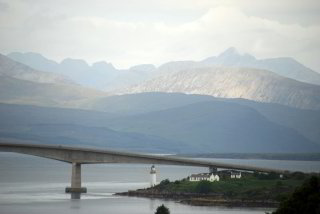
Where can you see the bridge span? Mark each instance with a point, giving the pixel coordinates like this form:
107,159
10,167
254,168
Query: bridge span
77,156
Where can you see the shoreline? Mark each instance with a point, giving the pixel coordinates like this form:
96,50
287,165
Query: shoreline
195,199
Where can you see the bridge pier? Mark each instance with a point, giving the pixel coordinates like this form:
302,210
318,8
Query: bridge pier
76,188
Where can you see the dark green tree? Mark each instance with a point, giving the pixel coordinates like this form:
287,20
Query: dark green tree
162,210
304,200
165,182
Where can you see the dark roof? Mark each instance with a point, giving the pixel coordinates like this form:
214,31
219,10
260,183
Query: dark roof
235,173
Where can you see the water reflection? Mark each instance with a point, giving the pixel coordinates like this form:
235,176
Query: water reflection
75,205
152,205
75,195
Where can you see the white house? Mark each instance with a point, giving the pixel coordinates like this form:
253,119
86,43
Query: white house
204,177
235,174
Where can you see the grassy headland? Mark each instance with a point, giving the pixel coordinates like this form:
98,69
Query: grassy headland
251,190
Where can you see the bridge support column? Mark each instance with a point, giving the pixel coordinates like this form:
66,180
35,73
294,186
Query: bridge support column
76,188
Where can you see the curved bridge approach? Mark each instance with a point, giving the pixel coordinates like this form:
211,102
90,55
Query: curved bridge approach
77,156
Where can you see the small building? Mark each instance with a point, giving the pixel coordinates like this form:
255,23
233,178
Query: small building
204,177
235,174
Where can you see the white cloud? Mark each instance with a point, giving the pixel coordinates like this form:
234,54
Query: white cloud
60,32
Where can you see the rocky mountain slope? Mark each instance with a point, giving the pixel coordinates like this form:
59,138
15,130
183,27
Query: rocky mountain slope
229,82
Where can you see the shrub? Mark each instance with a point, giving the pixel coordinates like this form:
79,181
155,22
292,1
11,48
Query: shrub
162,210
164,182
305,199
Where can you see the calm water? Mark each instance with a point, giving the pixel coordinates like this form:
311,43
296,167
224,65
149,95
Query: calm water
36,185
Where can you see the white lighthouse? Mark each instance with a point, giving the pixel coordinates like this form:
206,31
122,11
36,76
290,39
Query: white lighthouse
153,174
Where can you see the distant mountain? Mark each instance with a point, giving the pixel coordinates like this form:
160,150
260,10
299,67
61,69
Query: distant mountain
176,66
305,122
104,76
10,68
284,66
143,67
21,84
229,82
219,127
100,75
35,61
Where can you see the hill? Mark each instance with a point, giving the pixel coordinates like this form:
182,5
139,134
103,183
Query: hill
76,127
306,122
217,126
197,128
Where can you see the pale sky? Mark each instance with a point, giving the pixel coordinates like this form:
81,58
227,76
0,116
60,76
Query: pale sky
130,32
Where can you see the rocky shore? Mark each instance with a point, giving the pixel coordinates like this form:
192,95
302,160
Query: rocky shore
197,199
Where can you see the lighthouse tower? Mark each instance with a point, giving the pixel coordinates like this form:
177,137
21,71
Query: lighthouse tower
153,178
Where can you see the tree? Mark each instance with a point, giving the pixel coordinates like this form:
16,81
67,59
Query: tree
305,199
162,210
165,182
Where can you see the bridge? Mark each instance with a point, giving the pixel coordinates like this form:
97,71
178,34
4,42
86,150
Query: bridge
78,156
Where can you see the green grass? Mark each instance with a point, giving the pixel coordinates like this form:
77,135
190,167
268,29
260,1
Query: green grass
245,188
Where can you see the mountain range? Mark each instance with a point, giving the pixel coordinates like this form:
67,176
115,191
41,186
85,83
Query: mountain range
104,76
227,103
100,75
228,75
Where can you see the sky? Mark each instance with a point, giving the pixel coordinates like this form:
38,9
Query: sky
130,32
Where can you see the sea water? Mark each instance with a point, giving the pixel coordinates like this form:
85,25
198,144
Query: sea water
36,185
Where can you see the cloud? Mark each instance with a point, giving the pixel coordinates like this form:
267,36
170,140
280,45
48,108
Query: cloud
3,6
60,33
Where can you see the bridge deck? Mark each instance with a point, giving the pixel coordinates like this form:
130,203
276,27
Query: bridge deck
91,156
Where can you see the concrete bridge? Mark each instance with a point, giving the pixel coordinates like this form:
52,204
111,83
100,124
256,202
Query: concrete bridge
77,156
